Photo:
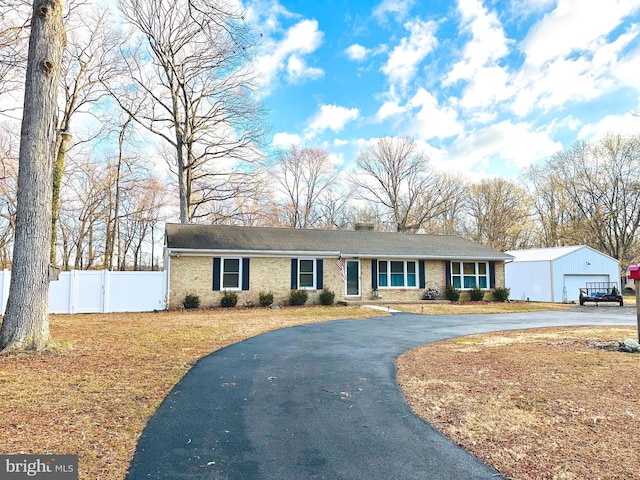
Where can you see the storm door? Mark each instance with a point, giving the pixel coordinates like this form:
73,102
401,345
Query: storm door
353,278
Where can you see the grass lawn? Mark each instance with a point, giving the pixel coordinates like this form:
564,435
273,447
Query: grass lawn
93,392
535,404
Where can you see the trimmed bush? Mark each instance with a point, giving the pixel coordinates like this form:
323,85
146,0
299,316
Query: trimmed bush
501,294
265,299
476,294
230,299
451,293
191,301
298,297
327,297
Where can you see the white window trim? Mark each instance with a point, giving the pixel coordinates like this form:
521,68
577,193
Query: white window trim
222,262
477,274
314,273
405,271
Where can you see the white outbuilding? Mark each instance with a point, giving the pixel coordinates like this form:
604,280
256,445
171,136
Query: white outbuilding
557,274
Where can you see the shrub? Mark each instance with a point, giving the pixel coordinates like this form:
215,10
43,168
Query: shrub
191,301
501,294
452,293
265,299
230,299
476,294
298,297
327,297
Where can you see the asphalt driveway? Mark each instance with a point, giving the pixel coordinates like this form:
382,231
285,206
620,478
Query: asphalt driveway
321,401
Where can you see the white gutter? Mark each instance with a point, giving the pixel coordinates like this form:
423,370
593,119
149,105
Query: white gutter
196,252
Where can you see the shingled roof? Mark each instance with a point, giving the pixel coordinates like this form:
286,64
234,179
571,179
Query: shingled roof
187,238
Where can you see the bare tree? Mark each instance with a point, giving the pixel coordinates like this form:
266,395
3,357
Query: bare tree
498,212
14,34
91,60
397,175
82,215
302,176
139,220
195,93
255,208
447,214
550,202
26,321
333,208
600,188
8,189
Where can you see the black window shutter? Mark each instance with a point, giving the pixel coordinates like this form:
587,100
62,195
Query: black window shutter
447,280
319,274
245,274
423,281
216,273
492,274
294,273
374,274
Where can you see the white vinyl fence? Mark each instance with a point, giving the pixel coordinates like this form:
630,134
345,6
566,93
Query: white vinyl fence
100,291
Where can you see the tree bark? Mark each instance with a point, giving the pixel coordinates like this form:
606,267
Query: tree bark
26,321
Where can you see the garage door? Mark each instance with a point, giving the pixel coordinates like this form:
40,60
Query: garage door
573,284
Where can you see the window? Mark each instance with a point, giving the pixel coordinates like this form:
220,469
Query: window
231,273
306,274
466,275
397,273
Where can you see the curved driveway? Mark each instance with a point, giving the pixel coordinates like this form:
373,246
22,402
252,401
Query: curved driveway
320,401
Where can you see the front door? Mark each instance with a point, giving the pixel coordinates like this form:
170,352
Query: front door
353,278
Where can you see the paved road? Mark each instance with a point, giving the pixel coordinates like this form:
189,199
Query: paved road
320,402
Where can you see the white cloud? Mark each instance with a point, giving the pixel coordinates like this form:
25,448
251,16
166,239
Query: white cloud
627,124
572,26
559,70
488,86
298,71
388,109
286,55
330,117
266,14
431,120
284,139
405,58
517,144
487,45
336,159
525,8
626,71
398,8
356,52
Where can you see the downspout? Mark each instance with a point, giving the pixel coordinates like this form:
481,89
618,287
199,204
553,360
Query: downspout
551,282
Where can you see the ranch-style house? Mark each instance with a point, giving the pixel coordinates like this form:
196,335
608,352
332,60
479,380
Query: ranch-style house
357,265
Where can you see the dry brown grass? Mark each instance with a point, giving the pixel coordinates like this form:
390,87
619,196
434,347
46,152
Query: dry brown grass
535,404
93,392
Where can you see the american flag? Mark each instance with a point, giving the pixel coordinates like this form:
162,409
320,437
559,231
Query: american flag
340,265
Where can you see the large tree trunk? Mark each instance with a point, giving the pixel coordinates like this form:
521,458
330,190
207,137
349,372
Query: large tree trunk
26,322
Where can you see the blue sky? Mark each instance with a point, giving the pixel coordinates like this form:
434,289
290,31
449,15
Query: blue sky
486,87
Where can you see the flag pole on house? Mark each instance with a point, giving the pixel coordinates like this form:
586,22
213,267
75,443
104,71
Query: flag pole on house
340,266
